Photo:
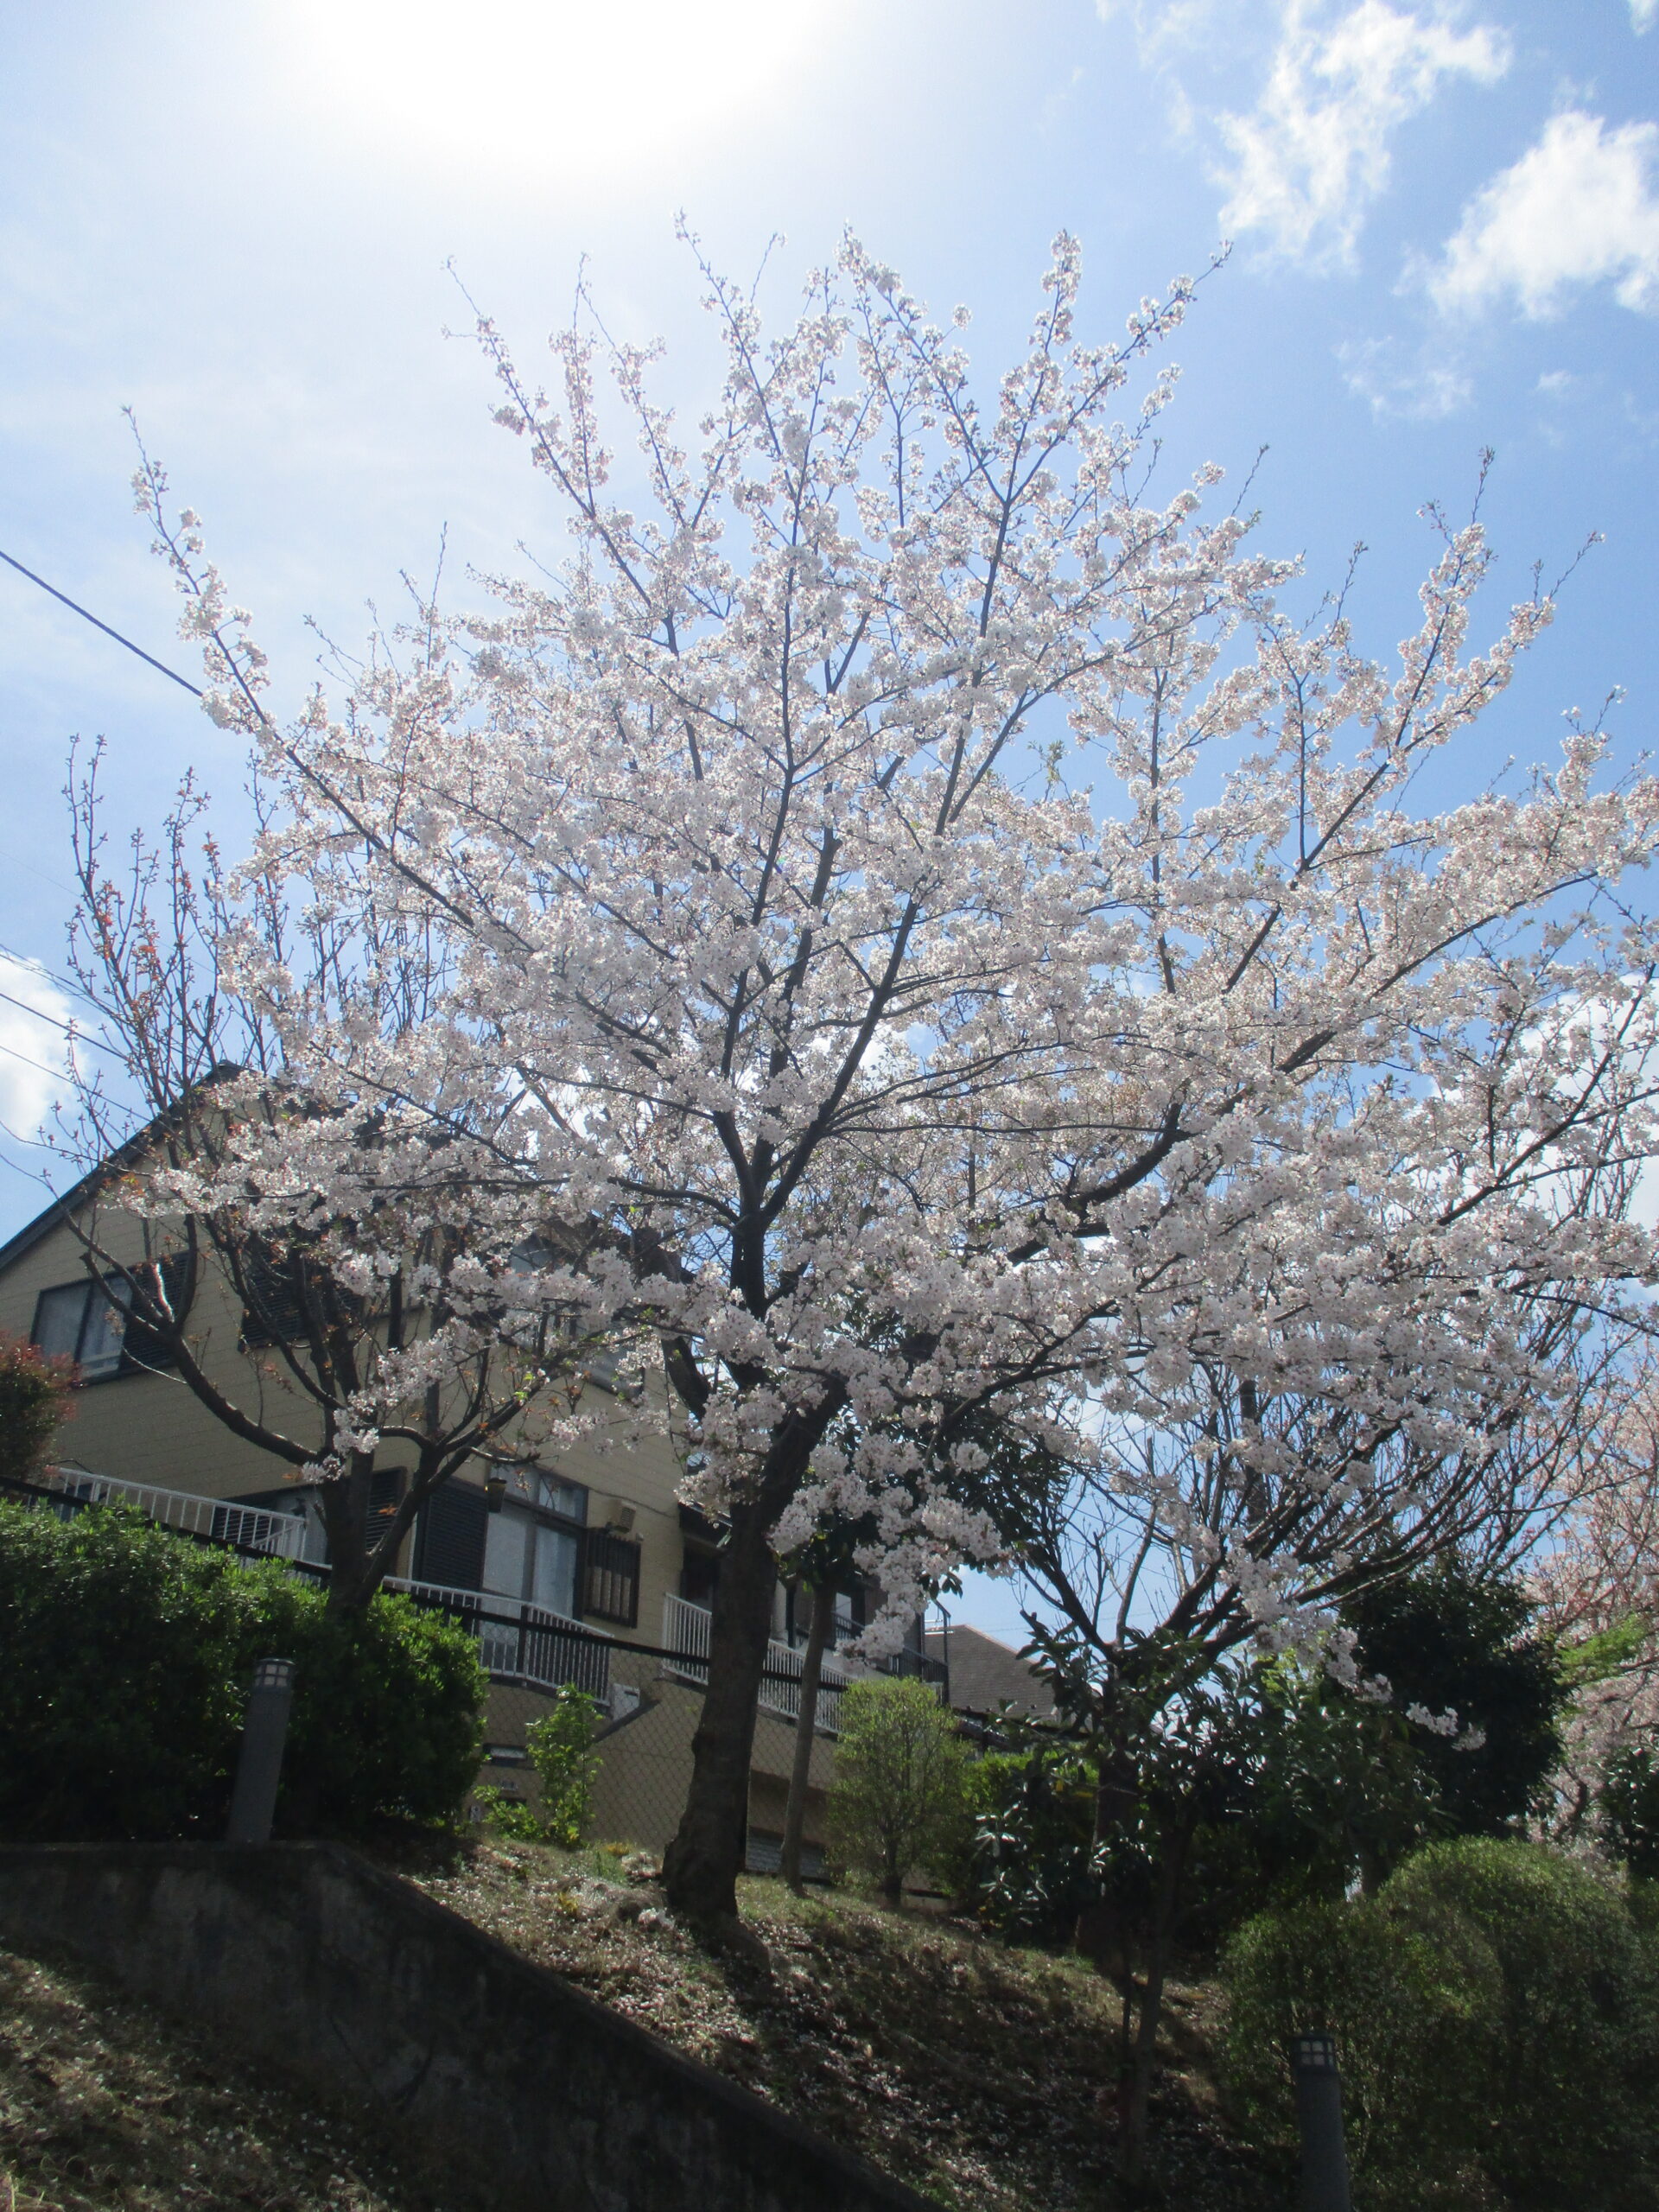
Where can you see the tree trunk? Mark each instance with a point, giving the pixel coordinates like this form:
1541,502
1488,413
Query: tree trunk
1132,2150
817,1632
345,1505
1133,2147
701,1865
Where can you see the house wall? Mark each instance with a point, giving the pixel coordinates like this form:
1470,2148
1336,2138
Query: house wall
153,1428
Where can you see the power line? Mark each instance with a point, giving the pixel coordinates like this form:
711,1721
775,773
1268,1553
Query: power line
85,615
68,1027
69,983
58,1075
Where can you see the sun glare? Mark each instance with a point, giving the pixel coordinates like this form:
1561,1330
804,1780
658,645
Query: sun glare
605,92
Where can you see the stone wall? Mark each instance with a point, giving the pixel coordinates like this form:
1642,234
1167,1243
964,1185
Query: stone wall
532,2096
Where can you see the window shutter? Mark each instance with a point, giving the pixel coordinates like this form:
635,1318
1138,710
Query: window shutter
274,1314
450,1546
611,1577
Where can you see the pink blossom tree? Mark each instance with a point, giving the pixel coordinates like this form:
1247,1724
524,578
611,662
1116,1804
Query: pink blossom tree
967,946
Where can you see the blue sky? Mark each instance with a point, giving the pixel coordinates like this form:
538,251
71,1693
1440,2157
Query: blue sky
1445,227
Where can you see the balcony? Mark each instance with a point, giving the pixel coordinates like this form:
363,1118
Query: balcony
686,1633
517,1643
520,1643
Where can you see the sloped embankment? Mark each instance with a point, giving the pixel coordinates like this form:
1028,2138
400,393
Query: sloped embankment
968,2068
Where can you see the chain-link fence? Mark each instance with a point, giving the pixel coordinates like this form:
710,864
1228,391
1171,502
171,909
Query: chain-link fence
644,1747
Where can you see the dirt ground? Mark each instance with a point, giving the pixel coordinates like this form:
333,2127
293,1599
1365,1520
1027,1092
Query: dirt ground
105,2108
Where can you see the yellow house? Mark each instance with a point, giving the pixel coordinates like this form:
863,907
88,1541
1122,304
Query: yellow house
583,1568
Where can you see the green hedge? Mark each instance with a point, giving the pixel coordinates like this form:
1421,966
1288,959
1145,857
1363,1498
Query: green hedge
1497,2008
125,1655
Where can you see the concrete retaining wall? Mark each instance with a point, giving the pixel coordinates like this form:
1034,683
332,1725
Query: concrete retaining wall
534,2097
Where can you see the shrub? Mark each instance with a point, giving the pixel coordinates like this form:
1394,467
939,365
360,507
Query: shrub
1033,1825
561,1749
1413,2021
128,1655
898,1801
1495,2008
1575,2105
34,1398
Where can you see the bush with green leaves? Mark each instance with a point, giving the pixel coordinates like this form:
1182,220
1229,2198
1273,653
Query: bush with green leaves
1496,2011
899,1802
1028,1870
561,1753
1629,1812
128,1655
1448,1638
35,1395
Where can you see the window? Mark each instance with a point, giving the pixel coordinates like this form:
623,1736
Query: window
525,1558
612,1580
532,1550
698,1577
90,1323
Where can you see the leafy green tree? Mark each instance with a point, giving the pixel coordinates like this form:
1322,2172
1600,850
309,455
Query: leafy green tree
1630,1811
898,1801
1330,1788
561,1748
1029,1870
1450,1640
564,1760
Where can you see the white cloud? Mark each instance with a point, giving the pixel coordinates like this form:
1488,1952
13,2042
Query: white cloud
1645,14
1427,389
1313,154
32,1058
1577,208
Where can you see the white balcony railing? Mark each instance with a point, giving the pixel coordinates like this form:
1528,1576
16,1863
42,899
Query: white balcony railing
686,1633
252,1528
524,1642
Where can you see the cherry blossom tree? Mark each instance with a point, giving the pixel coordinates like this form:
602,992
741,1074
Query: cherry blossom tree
1244,1523
966,946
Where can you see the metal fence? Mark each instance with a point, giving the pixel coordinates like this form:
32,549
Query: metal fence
274,1533
522,1643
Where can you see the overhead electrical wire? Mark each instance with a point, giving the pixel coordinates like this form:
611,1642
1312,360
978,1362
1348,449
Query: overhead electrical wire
85,614
58,1075
68,1027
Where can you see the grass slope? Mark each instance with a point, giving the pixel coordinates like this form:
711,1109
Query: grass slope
974,2070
